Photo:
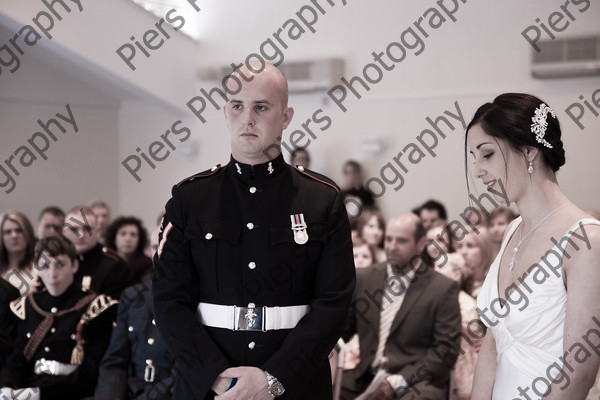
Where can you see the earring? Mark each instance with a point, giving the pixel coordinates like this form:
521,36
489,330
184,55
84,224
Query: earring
530,168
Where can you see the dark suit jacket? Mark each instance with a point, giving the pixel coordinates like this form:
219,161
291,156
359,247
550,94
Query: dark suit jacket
422,345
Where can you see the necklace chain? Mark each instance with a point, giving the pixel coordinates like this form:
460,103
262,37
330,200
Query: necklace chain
511,265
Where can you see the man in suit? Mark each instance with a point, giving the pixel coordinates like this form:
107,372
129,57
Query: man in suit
408,320
254,270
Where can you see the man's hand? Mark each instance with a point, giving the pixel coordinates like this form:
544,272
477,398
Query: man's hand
251,384
221,385
383,392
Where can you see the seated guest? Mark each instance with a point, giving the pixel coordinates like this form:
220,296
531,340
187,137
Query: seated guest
8,320
432,212
407,318
356,196
102,213
364,257
50,221
370,228
62,331
16,251
128,237
137,364
472,333
498,221
476,249
100,270
439,244
300,156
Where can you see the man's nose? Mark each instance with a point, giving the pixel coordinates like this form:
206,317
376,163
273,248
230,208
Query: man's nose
248,117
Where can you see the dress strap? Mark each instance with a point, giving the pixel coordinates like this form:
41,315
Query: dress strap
567,236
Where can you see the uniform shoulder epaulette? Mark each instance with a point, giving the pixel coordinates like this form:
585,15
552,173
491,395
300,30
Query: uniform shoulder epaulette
97,306
317,177
202,174
17,306
110,253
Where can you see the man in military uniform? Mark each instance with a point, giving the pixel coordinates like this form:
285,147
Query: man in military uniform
101,270
62,331
254,271
137,364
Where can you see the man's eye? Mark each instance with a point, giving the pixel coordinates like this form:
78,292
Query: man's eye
261,108
236,106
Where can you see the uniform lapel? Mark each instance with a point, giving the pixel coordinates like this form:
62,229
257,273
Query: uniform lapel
415,290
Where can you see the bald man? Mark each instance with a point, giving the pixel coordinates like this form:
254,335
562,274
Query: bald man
408,320
254,270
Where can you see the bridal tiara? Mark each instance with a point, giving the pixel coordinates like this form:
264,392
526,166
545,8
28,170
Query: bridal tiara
540,124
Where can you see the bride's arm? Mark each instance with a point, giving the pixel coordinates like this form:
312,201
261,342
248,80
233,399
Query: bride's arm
581,341
485,371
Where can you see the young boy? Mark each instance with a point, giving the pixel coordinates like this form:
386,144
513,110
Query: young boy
62,331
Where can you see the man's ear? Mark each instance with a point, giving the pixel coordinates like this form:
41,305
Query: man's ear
75,266
288,114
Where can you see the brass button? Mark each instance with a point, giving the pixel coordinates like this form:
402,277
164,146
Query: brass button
251,345
252,190
54,310
251,265
151,341
47,349
52,330
28,335
130,329
250,225
208,236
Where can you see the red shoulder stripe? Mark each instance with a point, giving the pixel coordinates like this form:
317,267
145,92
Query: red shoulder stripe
315,178
201,175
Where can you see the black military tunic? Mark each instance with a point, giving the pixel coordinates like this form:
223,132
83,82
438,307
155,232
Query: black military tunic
101,270
59,342
8,320
137,364
226,239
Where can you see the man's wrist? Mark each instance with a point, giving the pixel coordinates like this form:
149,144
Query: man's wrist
398,383
274,386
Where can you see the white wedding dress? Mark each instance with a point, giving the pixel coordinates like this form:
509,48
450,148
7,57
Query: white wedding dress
528,339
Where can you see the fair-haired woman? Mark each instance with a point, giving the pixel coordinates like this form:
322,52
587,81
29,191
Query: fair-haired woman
476,249
17,242
537,297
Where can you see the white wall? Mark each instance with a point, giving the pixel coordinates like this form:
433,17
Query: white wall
469,61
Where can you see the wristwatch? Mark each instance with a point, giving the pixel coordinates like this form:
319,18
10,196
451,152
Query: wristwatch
275,387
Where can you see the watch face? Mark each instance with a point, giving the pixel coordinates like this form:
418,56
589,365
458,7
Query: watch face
277,389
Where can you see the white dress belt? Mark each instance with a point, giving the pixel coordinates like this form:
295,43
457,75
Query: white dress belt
250,318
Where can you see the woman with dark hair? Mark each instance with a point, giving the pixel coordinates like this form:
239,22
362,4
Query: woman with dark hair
537,311
128,237
16,251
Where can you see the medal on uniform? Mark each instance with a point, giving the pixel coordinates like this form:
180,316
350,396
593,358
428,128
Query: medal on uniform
299,228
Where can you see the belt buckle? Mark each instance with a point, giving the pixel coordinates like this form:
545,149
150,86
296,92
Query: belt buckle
249,318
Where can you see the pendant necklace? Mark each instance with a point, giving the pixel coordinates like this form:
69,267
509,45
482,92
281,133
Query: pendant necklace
511,265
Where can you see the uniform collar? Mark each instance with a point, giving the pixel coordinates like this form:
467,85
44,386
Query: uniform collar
90,253
257,171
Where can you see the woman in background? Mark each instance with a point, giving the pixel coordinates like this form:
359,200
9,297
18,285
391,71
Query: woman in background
16,251
128,237
476,249
371,229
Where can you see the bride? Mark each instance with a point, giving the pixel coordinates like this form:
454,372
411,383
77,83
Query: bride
539,299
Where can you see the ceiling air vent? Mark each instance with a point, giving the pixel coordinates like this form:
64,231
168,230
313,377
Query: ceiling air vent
567,58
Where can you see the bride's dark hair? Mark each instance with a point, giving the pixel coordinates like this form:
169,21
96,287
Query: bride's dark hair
508,118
